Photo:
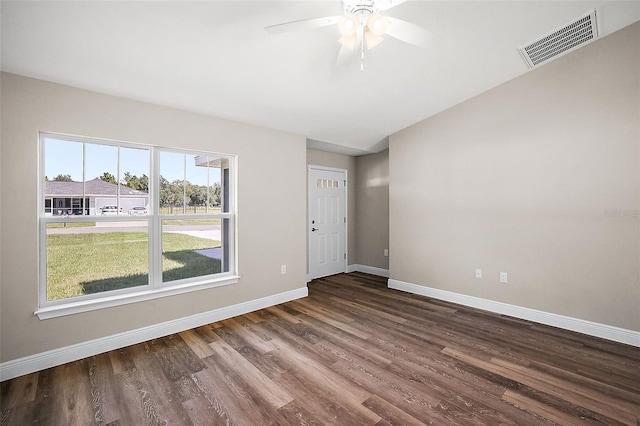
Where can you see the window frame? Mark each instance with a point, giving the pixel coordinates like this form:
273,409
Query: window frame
155,287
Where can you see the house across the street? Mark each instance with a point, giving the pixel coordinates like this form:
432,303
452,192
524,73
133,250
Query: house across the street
66,198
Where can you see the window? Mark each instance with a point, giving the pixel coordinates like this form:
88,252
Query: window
121,222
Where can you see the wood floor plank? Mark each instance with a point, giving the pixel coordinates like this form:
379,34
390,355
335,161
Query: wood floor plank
462,393
406,398
19,391
352,353
322,403
259,382
204,409
544,402
278,311
296,414
613,404
362,310
200,347
154,386
623,417
299,337
121,361
389,413
329,318
250,334
230,391
65,397
525,403
321,375
202,412
103,381
633,399
23,414
175,358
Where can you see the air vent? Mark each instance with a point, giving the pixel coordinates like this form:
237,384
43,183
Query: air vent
561,41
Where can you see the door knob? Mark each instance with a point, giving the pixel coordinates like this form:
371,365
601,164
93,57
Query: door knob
314,229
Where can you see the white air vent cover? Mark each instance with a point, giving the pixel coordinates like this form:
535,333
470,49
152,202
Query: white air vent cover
561,41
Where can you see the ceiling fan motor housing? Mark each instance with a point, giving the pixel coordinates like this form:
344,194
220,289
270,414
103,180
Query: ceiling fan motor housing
361,8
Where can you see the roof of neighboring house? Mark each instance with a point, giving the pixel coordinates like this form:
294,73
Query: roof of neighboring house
94,187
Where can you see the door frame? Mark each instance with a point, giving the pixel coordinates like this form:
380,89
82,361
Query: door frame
346,214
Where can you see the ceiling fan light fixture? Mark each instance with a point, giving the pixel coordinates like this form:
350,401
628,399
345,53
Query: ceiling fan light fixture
377,24
372,40
348,25
349,41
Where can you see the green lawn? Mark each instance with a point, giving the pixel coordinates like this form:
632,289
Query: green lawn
193,221
70,225
80,264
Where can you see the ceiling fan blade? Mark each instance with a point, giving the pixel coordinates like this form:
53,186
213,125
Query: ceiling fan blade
383,5
345,56
409,33
305,24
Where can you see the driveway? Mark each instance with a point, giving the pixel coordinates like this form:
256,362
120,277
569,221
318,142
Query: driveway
210,232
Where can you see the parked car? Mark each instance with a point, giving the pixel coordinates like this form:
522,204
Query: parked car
138,210
109,210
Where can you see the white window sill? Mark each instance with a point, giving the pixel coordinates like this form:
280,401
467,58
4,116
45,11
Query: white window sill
123,299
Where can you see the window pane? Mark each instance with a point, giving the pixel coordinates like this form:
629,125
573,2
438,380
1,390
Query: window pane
172,183
87,258
63,176
190,184
101,172
63,160
190,248
134,181
202,184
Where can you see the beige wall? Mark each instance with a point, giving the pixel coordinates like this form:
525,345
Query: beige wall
523,179
267,238
347,162
372,199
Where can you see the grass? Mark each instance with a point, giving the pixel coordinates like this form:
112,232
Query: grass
70,225
191,222
79,264
194,221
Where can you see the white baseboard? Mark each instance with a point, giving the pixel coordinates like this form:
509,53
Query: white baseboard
37,362
608,332
368,270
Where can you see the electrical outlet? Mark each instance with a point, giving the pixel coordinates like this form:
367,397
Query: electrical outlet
283,269
503,277
478,273
386,252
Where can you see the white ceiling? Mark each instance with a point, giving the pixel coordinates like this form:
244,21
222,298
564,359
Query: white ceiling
214,57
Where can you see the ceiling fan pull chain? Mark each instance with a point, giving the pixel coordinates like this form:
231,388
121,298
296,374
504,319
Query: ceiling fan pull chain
362,54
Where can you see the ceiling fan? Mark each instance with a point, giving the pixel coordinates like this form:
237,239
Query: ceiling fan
362,23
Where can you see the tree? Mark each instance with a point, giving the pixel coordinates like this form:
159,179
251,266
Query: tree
108,177
63,178
134,182
143,184
215,194
197,195
170,193
176,193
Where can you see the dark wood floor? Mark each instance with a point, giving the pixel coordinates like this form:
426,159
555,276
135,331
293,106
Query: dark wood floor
352,353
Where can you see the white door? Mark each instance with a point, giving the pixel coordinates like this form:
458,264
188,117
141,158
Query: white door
327,222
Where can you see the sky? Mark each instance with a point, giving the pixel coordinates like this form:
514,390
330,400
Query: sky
66,157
